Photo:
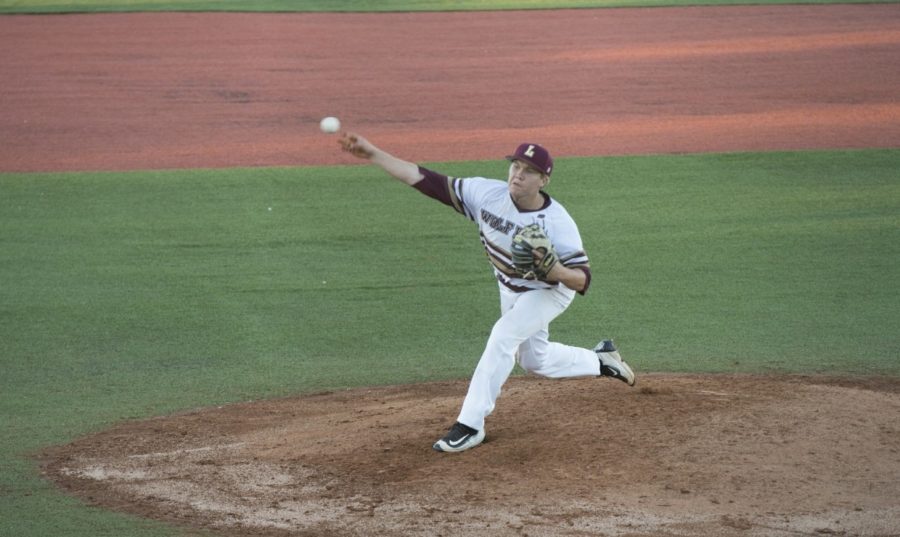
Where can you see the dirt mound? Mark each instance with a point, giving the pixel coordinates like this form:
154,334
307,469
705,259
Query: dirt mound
676,455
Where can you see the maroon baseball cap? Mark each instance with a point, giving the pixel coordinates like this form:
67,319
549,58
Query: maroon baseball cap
534,155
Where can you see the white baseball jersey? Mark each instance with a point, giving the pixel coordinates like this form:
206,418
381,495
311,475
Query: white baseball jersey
487,203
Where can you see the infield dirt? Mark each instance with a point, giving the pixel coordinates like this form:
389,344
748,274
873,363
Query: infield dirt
166,90
677,455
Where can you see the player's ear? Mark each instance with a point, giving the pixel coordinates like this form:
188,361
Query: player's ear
545,180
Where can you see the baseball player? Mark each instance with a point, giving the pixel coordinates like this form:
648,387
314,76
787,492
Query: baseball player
537,257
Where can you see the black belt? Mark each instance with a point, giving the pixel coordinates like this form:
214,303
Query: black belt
519,288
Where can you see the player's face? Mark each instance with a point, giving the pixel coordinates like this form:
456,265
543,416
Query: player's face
524,181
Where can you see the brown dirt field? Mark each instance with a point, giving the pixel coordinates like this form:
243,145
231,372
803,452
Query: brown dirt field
678,455
120,92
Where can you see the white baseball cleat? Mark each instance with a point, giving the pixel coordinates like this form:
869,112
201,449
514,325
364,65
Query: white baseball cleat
611,364
460,438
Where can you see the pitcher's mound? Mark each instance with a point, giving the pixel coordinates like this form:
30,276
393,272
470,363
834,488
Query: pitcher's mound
677,455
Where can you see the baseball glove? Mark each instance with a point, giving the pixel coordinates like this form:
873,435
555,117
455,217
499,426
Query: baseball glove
525,243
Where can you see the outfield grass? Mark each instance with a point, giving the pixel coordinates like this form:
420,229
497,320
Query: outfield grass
57,6
127,295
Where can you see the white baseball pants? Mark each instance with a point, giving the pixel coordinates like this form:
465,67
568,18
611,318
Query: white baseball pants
523,329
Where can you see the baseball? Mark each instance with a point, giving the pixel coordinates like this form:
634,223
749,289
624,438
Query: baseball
330,124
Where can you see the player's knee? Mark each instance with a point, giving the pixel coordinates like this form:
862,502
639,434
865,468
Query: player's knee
530,361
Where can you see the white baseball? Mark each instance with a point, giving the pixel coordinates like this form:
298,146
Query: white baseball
330,124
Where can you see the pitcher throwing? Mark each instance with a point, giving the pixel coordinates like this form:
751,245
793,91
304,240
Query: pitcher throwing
540,264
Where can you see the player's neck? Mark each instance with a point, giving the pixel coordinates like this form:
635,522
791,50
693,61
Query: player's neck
531,203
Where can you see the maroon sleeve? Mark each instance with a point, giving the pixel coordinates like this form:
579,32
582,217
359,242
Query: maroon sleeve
435,185
587,281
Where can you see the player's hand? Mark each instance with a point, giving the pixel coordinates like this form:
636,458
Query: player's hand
532,253
356,145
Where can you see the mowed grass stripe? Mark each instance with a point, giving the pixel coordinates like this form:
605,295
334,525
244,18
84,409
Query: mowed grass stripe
98,6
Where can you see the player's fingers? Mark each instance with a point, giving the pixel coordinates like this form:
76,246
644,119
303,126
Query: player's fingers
348,142
356,145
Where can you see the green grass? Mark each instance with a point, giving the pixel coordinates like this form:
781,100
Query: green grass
127,295
57,6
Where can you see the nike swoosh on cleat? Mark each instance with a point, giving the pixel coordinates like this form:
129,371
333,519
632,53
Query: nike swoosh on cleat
451,443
